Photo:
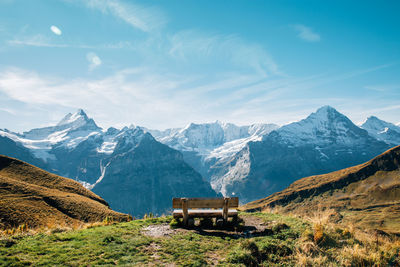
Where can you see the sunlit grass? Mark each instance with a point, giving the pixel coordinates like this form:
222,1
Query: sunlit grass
291,241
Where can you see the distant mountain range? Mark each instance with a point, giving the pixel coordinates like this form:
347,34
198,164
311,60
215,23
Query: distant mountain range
366,195
261,159
138,170
132,171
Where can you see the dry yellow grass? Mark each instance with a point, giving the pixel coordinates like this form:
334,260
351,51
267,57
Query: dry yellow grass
37,199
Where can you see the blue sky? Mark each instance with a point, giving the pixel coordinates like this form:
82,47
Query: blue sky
164,64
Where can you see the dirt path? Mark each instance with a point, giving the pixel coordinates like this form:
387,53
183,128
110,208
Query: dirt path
253,226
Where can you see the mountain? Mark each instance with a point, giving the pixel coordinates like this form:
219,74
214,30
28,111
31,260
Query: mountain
77,148
16,150
68,133
206,146
32,196
382,130
323,142
145,175
367,194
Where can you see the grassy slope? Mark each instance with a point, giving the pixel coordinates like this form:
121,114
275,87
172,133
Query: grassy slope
30,195
125,244
367,195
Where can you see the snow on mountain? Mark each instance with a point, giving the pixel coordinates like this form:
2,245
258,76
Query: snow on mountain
69,132
323,126
211,148
212,138
382,130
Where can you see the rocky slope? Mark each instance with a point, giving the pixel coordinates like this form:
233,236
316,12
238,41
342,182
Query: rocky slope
146,176
32,196
367,194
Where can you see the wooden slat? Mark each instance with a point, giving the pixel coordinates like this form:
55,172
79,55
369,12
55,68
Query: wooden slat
206,203
178,213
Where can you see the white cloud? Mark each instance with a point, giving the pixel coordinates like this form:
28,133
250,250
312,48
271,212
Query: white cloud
35,40
55,30
140,17
94,60
306,33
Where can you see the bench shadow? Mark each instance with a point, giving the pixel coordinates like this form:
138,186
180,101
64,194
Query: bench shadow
245,232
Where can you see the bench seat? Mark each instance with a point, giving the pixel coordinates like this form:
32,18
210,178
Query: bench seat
194,213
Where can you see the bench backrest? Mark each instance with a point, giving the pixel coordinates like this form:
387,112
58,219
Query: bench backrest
204,203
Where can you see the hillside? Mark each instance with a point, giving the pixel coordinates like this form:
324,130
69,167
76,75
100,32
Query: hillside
32,196
367,195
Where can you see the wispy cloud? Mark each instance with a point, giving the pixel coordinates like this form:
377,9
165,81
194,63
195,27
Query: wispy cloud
383,87
194,46
55,30
9,111
40,40
94,60
143,18
37,40
306,33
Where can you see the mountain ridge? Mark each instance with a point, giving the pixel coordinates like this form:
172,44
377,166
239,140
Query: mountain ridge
263,159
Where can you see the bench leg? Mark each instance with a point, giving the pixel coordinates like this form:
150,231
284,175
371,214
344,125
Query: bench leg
185,211
225,210
219,222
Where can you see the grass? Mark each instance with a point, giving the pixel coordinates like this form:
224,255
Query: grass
290,241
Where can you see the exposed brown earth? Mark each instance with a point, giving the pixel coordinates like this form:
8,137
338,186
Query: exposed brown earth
366,195
32,196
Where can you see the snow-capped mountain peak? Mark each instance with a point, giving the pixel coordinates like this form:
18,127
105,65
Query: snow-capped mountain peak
382,130
79,119
78,116
324,125
375,123
69,132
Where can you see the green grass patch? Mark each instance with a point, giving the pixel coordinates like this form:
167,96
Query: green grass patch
288,242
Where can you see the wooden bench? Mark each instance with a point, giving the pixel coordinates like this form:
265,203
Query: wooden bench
205,207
